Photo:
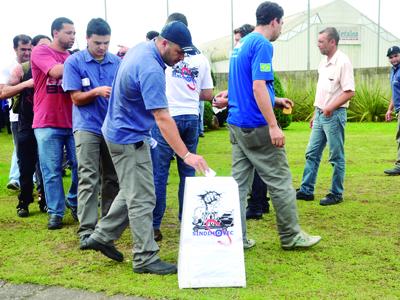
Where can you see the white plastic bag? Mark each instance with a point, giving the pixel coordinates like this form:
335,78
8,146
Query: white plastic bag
211,246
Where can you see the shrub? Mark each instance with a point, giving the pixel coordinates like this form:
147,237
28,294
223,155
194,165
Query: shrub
282,119
369,104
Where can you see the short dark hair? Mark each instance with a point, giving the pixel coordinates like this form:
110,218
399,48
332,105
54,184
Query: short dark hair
151,35
98,26
23,38
177,17
38,37
58,24
244,30
332,34
267,12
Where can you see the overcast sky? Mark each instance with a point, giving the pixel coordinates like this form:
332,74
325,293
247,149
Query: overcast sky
131,19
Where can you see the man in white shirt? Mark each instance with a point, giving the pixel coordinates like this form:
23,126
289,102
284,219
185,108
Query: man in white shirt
335,88
22,48
187,83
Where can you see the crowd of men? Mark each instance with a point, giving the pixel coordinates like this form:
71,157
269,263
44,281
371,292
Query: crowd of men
121,119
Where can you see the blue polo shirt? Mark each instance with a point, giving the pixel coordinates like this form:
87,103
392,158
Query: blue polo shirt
83,73
138,88
395,83
251,60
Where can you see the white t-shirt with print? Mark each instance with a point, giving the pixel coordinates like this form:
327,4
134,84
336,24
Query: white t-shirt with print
4,77
184,82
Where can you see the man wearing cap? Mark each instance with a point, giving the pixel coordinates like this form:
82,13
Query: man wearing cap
335,88
137,102
393,54
187,83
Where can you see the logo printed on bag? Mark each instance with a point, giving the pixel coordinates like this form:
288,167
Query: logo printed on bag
208,221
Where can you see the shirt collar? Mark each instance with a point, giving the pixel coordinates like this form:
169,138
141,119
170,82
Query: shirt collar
88,57
333,59
157,54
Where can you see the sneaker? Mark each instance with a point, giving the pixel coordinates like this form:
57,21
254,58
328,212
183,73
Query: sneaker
302,240
55,222
106,249
249,244
331,199
74,210
302,196
157,235
22,212
392,172
158,267
13,185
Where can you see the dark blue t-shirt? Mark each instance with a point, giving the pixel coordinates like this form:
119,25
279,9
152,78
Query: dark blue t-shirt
251,60
395,83
83,73
138,88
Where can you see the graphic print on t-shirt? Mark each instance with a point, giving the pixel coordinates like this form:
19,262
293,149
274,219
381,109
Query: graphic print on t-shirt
189,74
53,86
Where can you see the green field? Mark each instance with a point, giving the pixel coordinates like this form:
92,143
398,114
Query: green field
358,257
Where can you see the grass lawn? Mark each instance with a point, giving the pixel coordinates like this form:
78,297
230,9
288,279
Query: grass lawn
358,257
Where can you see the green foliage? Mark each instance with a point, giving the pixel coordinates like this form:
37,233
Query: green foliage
283,119
358,257
208,115
369,103
303,97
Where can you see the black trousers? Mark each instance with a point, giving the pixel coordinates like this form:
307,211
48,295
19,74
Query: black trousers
28,164
258,200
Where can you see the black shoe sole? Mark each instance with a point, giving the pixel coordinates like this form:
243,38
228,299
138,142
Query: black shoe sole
144,270
54,226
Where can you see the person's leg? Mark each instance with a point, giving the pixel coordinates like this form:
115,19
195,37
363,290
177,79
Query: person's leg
13,182
69,144
188,129
257,203
201,118
27,152
50,148
314,151
242,170
335,136
88,157
110,185
161,157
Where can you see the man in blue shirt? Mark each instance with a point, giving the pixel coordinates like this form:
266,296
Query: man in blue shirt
137,102
88,76
257,141
393,54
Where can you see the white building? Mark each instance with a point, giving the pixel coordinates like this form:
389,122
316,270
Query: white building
358,39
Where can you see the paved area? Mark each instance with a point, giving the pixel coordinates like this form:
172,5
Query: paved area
10,291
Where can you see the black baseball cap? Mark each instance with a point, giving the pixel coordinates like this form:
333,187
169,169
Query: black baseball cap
393,50
178,33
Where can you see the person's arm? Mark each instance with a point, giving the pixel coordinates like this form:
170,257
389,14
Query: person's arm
283,102
338,102
388,115
15,86
170,133
56,71
264,104
206,95
82,98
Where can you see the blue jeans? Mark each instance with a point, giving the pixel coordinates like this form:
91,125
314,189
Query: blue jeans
14,170
188,126
201,120
326,130
51,142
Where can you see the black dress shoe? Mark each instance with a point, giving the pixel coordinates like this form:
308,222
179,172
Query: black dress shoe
157,235
331,199
255,215
302,196
83,241
392,172
22,212
108,250
74,210
55,222
158,267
